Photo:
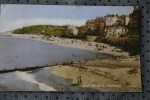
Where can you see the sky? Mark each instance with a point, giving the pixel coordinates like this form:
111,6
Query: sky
13,16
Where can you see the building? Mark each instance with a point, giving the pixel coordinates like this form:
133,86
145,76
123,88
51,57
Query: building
116,20
111,19
134,18
72,30
97,24
100,24
122,20
116,31
91,24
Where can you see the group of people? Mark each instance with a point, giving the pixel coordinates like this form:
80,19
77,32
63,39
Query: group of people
79,82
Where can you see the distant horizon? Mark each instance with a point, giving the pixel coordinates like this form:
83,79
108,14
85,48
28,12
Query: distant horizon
14,16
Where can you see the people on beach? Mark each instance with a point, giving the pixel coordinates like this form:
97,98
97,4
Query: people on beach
114,56
79,80
62,88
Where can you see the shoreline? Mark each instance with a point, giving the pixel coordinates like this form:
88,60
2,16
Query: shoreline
120,70
74,43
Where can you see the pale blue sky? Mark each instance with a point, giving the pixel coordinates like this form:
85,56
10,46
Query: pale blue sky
15,16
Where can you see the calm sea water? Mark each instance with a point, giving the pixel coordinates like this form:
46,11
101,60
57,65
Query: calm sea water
17,52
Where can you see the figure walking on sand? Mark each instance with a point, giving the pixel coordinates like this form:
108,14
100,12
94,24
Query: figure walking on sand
79,80
62,88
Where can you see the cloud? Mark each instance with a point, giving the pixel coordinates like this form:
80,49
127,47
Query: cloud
6,25
16,16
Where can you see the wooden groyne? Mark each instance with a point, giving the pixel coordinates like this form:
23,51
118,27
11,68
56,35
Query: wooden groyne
23,69
38,67
32,68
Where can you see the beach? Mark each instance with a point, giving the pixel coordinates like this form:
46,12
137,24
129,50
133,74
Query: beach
120,73
104,75
75,43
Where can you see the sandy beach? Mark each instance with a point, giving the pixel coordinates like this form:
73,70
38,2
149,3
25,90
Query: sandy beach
121,73
104,75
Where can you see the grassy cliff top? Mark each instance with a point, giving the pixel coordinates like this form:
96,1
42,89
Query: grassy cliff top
42,29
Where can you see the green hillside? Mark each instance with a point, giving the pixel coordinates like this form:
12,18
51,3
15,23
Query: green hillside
42,29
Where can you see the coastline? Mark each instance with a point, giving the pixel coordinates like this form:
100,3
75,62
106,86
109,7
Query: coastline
74,43
102,74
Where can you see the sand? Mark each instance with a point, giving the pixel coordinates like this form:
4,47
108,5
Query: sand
104,75
117,74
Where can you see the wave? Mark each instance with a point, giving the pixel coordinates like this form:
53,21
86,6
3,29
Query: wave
30,78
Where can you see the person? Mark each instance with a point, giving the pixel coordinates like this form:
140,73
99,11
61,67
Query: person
62,87
79,80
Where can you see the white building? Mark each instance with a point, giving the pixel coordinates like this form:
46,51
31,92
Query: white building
127,19
73,30
116,31
115,19
110,20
